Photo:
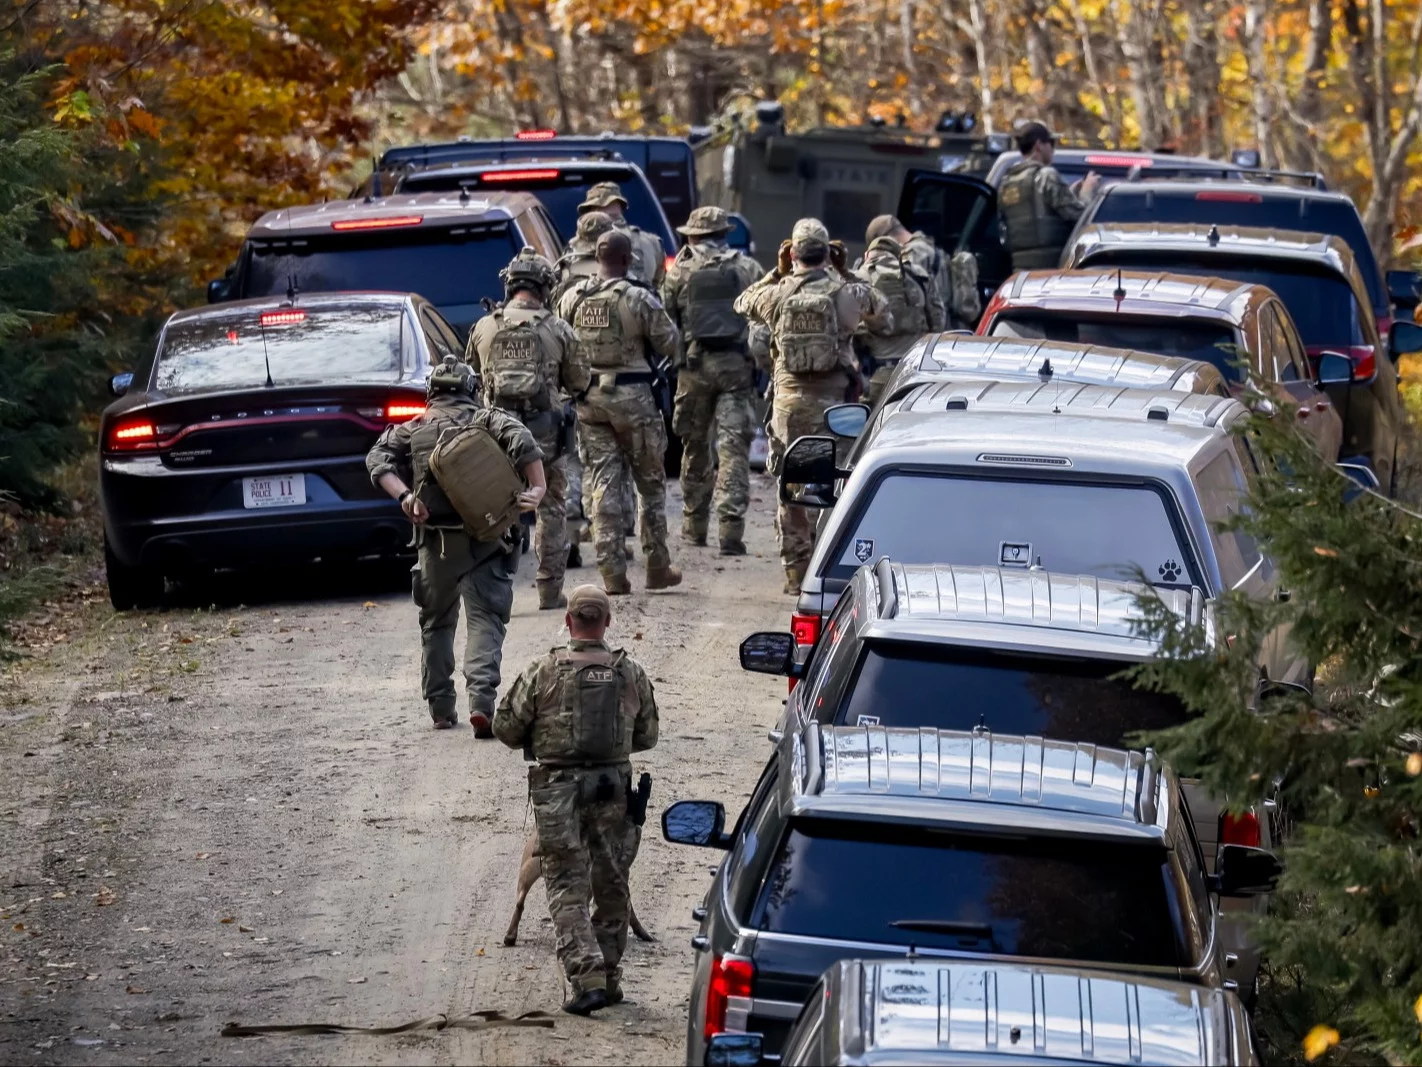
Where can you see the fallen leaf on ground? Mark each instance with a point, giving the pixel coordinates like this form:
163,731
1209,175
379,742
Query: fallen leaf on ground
244,929
1327,553
368,605
229,919
133,989
105,896
203,856
355,981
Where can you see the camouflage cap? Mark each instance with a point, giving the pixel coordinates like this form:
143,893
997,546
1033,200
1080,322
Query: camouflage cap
882,226
453,376
706,222
589,602
593,224
809,233
602,194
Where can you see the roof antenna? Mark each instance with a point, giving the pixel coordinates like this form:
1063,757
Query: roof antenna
375,189
464,194
291,289
1044,372
267,359
1120,293
1213,236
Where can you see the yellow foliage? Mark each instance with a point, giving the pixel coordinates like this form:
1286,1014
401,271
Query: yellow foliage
1318,1041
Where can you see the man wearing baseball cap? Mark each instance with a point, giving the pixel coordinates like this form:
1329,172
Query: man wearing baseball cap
1037,207
580,711
649,265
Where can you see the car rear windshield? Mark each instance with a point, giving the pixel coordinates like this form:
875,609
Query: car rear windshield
1069,898
447,268
1233,207
959,689
560,195
1322,304
231,349
1205,341
1106,530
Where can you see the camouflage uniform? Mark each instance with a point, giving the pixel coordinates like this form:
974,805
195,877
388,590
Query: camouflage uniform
544,370
1038,211
648,257
714,382
616,321
800,395
579,794
912,298
452,566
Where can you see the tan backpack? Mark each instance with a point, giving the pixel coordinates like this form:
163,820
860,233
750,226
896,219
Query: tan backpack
480,480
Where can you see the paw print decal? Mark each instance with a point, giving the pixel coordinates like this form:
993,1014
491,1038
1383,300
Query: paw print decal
1169,570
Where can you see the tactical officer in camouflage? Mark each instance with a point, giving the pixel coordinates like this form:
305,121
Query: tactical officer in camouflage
580,711
955,276
1038,209
913,301
714,383
453,567
812,306
648,264
579,259
620,327
531,367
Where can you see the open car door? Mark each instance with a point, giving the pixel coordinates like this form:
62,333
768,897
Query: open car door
959,212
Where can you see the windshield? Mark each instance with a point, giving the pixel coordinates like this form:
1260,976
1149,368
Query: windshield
225,350
1321,303
1069,527
1337,217
1071,898
446,270
1209,342
951,688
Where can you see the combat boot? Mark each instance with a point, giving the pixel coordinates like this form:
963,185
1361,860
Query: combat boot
586,1002
663,577
732,533
694,533
550,596
793,577
614,993
575,556
616,584
482,721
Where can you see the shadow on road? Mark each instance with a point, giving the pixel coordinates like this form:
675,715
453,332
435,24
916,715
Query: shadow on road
292,584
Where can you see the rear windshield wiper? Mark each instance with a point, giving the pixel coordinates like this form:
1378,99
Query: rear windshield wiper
982,931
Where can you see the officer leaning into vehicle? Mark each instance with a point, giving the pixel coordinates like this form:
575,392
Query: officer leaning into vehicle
622,329
955,276
812,306
913,302
648,264
581,711
1038,210
530,363
453,567
715,379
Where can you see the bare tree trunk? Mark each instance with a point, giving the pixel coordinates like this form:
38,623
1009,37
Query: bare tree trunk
1093,73
976,30
910,66
1136,23
1201,61
1252,34
1390,165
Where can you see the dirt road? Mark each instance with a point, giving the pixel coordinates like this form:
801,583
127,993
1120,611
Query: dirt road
242,814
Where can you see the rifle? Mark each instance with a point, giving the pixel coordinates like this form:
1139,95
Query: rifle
637,799
664,379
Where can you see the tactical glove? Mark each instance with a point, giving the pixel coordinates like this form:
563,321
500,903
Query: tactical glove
783,266
839,256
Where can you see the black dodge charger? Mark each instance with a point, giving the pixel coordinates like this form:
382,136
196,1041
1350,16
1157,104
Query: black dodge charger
244,441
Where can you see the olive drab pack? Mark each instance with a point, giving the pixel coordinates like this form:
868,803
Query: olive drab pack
806,331
903,290
966,304
594,717
514,367
479,478
599,320
711,291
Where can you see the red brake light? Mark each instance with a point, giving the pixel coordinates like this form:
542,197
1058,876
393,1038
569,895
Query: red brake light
1365,361
536,135
403,412
132,435
669,261
519,176
1229,196
1119,161
283,318
806,628
731,976
389,223
1241,829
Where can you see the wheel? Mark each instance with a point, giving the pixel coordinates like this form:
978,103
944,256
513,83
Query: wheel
131,587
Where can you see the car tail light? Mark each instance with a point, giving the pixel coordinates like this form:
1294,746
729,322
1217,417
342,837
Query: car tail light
535,135
519,176
1241,829
1119,161
1229,196
403,411
1364,357
282,318
132,435
996,304
389,223
669,261
731,976
806,628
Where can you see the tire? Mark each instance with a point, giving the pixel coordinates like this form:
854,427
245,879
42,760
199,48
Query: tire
131,588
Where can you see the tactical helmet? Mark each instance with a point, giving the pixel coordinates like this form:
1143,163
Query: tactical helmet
453,375
593,224
602,194
528,268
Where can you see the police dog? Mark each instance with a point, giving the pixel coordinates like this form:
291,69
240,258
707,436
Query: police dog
530,869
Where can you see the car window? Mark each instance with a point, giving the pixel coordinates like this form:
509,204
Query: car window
1211,342
1071,899
953,688
1192,864
834,656
1222,490
845,611
749,853
233,349
1070,527
803,1045
1278,362
442,343
1296,369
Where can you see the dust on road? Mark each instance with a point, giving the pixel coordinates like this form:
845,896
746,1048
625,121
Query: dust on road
241,814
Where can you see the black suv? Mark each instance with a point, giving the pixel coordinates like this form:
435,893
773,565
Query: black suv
875,842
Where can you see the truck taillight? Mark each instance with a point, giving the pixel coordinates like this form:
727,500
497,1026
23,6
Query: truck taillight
132,435
805,628
1241,829
731,976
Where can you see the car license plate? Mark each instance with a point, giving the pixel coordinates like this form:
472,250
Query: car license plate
277,491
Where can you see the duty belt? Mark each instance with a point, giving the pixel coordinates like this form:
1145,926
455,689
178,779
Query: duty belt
581,765
625,377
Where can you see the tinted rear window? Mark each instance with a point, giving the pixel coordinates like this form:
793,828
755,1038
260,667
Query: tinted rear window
957,689
1167,337
1276,213
1066,899
231,350
1322,304
1069,527
446,268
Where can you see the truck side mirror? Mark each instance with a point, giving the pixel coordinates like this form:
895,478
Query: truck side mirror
769,653
696,822
120,384
1334,368
1405,339
1242,871
219,290
1404,288
847,420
